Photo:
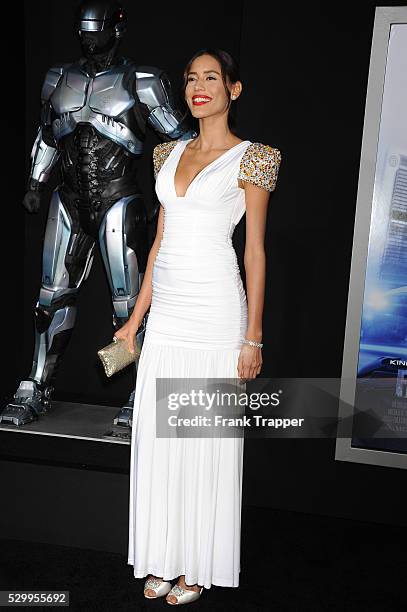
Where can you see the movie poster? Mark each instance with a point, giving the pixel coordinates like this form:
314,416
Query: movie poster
380,419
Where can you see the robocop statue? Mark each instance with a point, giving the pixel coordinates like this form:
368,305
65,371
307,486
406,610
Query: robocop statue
93,118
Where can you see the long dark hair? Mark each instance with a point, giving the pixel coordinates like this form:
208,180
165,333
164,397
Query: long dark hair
229,71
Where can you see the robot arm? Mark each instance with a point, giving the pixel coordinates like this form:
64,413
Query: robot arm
154,91
44,154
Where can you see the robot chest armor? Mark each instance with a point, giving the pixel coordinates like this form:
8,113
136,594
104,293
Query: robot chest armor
98,100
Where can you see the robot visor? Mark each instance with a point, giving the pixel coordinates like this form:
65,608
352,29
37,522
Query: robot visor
91,25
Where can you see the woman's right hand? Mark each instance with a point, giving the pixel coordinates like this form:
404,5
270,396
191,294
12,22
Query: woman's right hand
128,333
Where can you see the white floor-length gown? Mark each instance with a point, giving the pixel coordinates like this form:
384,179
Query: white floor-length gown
185,493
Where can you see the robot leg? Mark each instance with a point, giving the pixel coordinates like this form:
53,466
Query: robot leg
124,247
67,260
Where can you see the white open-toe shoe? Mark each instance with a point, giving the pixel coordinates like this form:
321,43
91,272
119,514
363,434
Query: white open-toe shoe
161,587
183,595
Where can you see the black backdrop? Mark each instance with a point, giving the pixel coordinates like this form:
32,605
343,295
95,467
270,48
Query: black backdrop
297,96
304,70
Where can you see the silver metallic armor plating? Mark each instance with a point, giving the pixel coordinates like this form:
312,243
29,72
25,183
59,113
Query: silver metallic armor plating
94,116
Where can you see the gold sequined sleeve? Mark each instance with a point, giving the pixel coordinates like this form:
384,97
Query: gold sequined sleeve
160,154
260,165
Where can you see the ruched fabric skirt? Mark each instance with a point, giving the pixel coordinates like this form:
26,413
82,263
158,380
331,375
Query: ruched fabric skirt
185,493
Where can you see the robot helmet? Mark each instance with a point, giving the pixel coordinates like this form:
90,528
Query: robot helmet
94,16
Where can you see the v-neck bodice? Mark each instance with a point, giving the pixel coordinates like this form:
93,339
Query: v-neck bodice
220,157
196,273
212,205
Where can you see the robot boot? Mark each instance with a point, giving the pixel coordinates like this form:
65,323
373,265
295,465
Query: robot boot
29,402
53,329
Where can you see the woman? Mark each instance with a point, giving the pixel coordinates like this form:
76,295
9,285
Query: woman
185,494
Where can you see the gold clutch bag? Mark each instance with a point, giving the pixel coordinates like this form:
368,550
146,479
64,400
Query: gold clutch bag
116,356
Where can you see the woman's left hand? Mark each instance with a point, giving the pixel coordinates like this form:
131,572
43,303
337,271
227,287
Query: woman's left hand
250,362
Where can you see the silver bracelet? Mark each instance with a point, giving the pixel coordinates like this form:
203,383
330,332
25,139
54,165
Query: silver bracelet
253,343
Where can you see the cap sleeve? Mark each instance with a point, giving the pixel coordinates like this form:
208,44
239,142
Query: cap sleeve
160,154
260,165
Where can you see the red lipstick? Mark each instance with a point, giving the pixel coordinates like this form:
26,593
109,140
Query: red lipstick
199,100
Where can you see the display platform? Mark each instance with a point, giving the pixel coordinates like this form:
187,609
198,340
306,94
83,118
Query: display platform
61,483
74,420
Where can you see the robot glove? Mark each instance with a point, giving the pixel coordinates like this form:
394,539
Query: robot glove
31,201
32,198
